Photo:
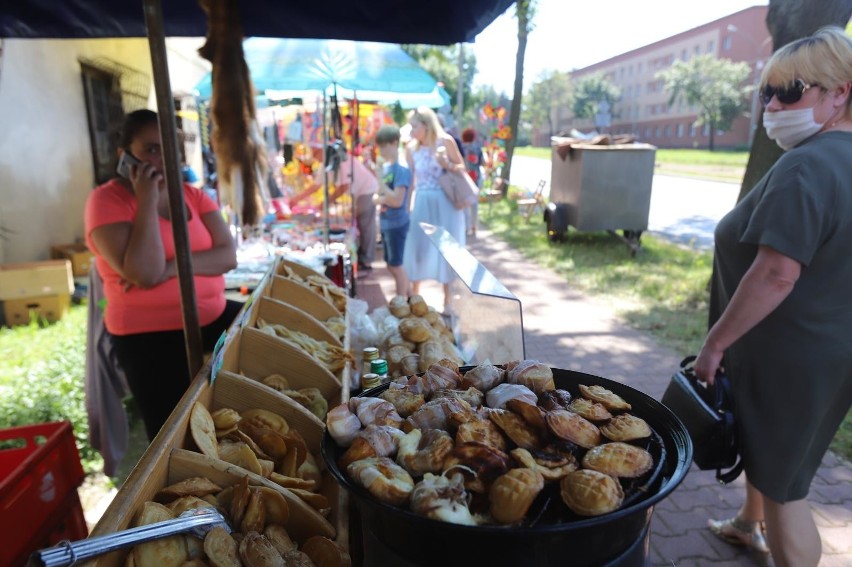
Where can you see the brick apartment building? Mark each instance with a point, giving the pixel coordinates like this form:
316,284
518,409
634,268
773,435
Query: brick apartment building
644,107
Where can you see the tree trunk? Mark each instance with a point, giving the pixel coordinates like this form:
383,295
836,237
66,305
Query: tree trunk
712,135
788,20
515,109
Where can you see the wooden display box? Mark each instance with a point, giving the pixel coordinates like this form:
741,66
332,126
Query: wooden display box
172,457
36,279
78,254
301,296
273,311
300,269
256,355
51,308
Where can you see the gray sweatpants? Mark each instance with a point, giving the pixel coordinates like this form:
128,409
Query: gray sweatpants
365,218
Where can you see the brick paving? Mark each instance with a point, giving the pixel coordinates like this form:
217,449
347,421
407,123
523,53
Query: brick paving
567,329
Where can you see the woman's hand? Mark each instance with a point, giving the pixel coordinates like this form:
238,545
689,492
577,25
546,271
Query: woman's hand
707,363
146,181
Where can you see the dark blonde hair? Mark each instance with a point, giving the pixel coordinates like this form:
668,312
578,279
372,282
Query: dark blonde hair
824,59
426,116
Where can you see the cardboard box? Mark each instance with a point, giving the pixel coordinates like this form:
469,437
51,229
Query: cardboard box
79,255
35,279
49,307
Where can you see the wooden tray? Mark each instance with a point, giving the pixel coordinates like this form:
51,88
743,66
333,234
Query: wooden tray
256,355
299,269
277,312
303,297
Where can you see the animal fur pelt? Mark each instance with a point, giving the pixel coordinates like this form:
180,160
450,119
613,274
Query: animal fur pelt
236,138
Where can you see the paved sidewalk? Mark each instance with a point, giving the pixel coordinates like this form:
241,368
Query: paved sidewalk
567,329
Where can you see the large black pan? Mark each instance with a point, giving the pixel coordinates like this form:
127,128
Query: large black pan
572,541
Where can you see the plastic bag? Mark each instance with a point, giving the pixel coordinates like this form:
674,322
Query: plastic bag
362,333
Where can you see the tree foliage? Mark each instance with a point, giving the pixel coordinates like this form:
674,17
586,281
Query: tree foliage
545,98
717,86
442,62
589,91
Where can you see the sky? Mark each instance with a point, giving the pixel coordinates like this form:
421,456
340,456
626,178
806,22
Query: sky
571,34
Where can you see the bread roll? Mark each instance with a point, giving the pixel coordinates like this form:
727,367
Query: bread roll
418,305
534,375
430,353
415,329
399,307
394,357
409,365
432,316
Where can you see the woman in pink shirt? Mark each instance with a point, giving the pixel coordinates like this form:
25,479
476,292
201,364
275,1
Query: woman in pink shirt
128,227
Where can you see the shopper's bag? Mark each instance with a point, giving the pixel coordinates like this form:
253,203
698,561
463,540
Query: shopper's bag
708,414
459,188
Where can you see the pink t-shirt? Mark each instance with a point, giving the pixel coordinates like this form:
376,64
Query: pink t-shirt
158,308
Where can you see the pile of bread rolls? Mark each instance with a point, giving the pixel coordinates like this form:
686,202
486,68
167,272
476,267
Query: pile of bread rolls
421,340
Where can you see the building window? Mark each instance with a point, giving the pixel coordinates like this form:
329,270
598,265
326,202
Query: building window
104,111
693,131
697,50
726,43
684,55
666,132
657,132
647,133
710,45
680,130
706,131
638,68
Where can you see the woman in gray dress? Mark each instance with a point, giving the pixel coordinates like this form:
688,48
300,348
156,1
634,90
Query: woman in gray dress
781,305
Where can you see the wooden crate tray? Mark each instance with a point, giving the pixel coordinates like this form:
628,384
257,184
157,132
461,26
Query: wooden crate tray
301,296
256,355
274,311
300,269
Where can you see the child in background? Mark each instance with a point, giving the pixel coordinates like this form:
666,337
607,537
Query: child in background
393,200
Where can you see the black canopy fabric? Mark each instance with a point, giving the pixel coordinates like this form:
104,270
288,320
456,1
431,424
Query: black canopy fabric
391,21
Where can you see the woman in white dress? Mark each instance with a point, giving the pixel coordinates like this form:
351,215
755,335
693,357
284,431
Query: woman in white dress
430,152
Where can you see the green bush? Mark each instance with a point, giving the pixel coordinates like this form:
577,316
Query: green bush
42,370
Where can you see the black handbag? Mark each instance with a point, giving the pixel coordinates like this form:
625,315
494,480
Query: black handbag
708,414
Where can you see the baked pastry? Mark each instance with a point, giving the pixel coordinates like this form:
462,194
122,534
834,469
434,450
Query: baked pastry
430,353
399,307
618,459
591,493
394,357
418,305
626,427
484,377
571,427
513,493
534,375
383,478
423,452
593,411
600,394
415,329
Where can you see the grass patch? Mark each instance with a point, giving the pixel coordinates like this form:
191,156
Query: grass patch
703,157
662,290
42,378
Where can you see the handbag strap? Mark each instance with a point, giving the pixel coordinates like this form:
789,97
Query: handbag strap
722,390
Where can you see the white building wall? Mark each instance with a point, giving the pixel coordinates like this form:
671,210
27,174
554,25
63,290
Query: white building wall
46,168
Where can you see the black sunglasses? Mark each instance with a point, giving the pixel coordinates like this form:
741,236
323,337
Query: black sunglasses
786,95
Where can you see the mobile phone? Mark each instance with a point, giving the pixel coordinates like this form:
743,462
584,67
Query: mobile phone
124,162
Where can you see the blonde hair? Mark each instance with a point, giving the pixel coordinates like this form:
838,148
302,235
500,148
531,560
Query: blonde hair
824,59
426,116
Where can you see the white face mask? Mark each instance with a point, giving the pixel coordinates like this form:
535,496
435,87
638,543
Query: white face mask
790,127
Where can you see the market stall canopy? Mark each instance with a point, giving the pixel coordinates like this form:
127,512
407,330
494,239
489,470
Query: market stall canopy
382,72
435,22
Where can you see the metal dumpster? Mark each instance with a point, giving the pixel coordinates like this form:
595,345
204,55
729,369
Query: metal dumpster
600,187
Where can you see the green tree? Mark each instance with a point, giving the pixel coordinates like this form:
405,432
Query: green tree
545,98
716,86
525,12
442,62
589,91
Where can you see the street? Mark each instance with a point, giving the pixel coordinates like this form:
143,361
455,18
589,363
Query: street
683,210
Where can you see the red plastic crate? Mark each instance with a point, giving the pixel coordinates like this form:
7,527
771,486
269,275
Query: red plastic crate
39,477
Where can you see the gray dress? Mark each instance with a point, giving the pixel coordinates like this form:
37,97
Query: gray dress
792,373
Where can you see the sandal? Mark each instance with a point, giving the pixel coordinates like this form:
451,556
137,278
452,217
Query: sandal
738,532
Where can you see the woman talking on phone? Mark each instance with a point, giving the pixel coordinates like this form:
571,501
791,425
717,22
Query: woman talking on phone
128,227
